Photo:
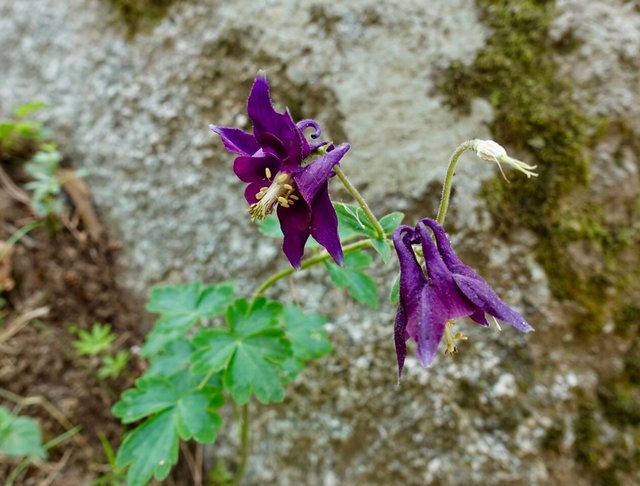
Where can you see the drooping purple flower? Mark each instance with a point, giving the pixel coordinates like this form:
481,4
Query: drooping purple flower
444,290
271,160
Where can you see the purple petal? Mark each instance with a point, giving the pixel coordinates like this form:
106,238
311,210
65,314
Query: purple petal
294,222
431,326
252,189
252,169
276,132
260,109
436,267
444,245
478,291
412,278
441,279
236,140
312,177
400,338
272,145
324,224
479,317
304,124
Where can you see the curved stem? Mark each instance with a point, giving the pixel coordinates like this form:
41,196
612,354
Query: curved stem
363,204
244,445
306,263
448,181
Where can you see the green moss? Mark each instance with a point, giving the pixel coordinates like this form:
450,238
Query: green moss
552,440
537,118
587,445
140,15
620,401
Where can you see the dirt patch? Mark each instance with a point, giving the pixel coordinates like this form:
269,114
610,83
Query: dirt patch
63,281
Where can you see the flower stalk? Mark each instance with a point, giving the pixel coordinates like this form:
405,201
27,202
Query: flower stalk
307,263
244,445
487,150
361,201
448,180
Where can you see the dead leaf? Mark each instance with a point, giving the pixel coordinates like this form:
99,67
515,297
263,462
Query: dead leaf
78,191
6,282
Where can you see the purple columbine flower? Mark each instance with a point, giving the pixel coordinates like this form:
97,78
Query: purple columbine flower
448,290
271,162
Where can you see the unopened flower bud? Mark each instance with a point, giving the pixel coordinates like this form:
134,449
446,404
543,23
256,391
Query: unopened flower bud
489,150
494,152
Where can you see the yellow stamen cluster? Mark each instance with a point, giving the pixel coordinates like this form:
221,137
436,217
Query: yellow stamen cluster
279,192
450,338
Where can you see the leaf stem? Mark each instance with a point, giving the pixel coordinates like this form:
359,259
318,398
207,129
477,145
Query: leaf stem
244,445
448,181
363,204
306,263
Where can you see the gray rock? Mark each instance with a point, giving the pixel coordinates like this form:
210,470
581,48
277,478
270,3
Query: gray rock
135,112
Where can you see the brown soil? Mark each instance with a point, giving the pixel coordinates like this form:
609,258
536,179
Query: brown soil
70,281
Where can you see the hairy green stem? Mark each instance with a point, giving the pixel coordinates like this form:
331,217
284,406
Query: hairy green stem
306,263
448,181
244,445
363,204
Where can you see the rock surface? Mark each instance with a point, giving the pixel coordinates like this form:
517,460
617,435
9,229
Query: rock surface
508,409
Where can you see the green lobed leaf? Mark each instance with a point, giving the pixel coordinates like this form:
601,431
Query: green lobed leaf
360,286
151,449
357,260
270,226
151,395
249,351
174,409
172,359
382,248
112,366
306,332
394,297
95,341
308,339
181,307
27,109
19,436
353,221
391,221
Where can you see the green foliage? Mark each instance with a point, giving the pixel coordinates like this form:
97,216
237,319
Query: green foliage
249,351
113,366
261,346
181,307
353,222
172,359
173,409
358,284
19,436
46,185
95,341
270,227
18,129
394,296
308,338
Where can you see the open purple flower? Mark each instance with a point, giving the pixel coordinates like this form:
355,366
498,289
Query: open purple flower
271,162
448,290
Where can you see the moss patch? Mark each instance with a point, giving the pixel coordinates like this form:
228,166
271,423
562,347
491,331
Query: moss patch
141,15
538,119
